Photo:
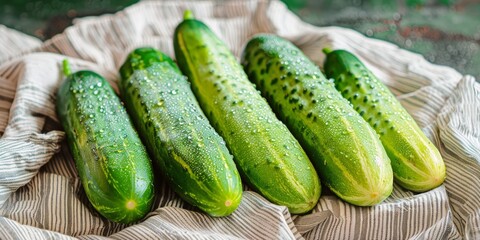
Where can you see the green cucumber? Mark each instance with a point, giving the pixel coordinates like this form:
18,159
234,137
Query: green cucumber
112,162
180,139
267,155
343,147
417,164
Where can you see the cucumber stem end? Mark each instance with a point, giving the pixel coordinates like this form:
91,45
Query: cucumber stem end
66,68
187,15
327,50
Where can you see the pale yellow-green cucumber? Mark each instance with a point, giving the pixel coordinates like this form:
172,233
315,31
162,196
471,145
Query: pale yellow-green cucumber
417,164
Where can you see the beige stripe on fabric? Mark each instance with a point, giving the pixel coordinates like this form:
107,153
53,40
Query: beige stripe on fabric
14,43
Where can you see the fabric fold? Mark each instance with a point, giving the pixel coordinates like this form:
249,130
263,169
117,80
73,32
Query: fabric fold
14,43
458,122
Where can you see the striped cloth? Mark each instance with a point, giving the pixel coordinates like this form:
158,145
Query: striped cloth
13,42
41,196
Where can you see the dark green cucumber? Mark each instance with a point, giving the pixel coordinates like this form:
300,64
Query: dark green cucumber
343,147
189,152
267,155
417,164
112,162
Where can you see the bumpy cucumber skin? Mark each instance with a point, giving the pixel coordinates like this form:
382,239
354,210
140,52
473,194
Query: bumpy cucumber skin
417,164
189,152
112,162
267,155
345,150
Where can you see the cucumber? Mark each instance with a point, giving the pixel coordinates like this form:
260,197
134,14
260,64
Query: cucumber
112,162
417,164
186,148
267,155
343,147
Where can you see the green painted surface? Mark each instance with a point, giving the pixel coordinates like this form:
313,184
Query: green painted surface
446,32
45,18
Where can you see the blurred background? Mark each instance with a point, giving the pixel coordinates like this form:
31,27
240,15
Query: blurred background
445,32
